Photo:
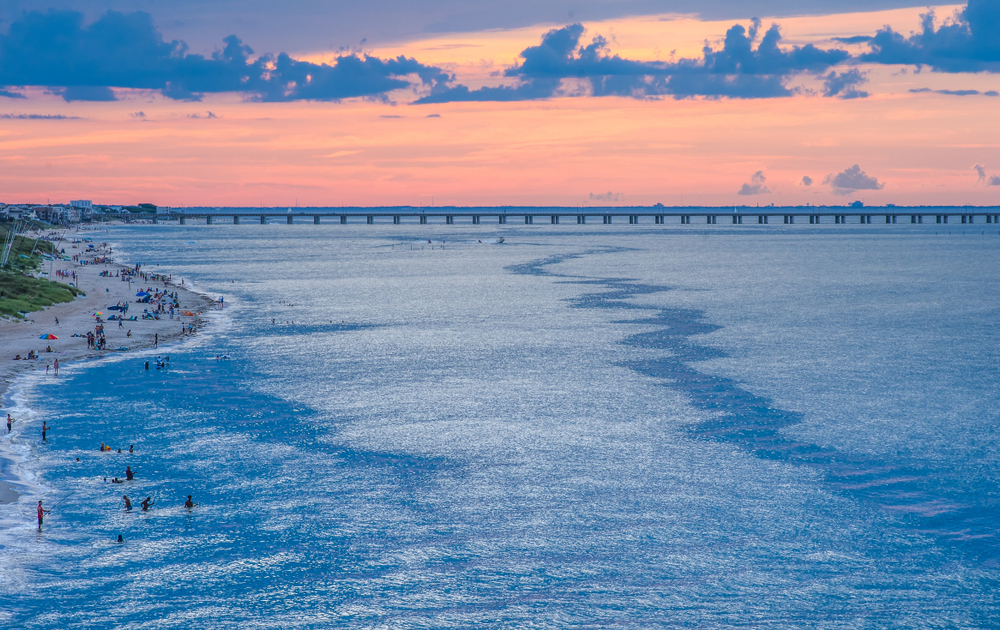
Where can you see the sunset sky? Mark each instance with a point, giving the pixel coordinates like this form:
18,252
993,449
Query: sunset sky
313,103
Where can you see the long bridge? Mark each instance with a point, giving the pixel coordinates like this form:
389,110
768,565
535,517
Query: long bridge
556,216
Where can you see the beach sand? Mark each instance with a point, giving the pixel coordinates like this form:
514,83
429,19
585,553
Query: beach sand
77,317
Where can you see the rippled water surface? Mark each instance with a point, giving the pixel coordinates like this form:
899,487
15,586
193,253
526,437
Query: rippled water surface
589,427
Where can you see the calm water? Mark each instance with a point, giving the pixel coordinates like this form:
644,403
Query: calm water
588,427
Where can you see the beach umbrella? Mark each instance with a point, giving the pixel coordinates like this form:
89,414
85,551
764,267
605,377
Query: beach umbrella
98,313
187,313
141,294
48,336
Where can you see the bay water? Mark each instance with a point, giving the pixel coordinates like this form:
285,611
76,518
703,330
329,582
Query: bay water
596,426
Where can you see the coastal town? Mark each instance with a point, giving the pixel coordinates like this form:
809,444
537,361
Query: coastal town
72,213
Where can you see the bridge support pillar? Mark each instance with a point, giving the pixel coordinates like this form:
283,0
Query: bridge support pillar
555,219
475,220
236,219
395,219
581,219
182,220
502,220
528,219
343,219
208,220
449,220
263,220
288,220
316,219
607,219
369,220
423,220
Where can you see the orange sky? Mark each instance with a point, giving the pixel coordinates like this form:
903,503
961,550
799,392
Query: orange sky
559,151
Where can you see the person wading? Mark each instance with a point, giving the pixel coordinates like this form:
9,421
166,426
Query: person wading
41,515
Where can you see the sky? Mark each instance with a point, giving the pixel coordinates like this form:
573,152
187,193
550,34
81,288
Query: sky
448,102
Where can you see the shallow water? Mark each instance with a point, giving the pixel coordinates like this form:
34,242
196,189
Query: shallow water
596,426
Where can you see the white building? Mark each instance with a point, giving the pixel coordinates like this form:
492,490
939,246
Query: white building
82,204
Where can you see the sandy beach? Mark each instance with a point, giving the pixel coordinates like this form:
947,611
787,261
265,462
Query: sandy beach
78,318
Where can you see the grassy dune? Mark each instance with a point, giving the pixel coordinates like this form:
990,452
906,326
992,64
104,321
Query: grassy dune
20,293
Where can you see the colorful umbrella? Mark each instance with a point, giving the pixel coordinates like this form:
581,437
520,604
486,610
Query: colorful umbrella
98,313
48,336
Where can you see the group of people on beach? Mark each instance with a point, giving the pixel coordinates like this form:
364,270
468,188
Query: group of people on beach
96,340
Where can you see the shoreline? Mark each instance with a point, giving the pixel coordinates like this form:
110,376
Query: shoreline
18,337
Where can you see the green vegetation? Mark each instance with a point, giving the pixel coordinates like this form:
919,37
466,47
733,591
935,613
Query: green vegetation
20,293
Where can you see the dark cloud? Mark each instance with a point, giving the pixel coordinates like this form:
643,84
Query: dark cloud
955,92
981,171
315,24
852,179
9,94
37,117
856,39
737,70
994,180
121,50
807,181
85,93
350,76
608,196
756,185
844,85
525,91
968,42
138,114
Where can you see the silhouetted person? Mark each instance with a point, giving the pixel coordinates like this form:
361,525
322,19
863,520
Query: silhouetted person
128,504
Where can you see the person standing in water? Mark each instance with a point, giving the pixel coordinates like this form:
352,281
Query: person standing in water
57,367
9,422
128,473
45,429
128,504
146,504
41,515
189,503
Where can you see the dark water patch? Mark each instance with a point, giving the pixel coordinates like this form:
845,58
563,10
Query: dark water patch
929,497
